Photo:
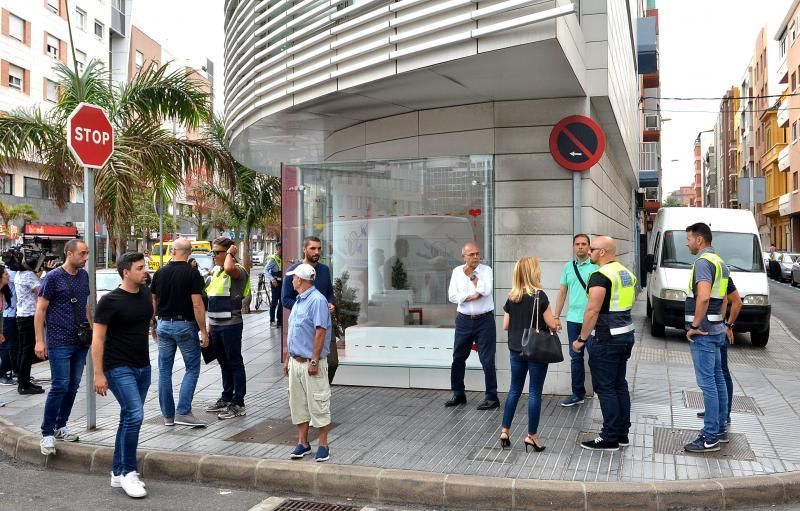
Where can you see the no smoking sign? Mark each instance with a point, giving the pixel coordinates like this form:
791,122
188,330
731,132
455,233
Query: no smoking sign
577,143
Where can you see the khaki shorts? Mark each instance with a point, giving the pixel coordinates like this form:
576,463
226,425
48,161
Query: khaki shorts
309,396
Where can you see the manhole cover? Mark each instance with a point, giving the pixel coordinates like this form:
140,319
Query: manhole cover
304,505
671,441
273,431
741,404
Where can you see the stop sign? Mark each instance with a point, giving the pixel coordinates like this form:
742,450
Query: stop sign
90,135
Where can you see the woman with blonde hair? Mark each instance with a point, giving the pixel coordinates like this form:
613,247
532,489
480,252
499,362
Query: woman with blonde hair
526,293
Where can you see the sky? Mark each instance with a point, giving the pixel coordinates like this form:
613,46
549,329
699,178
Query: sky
189,29
705,47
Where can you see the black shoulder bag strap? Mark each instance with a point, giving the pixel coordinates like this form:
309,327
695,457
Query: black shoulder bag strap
72,299
83,329
578,274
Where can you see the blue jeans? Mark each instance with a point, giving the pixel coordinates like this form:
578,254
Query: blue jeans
520,368
275,305
8,355
66,370
707,358
608,360
728,380
576,361
482,332
227,344
129,386
174,335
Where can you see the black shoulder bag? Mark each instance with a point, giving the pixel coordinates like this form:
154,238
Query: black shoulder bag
540,345
83,329
578,274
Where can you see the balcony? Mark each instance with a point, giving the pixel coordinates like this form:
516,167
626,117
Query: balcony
649,164
647,45
783,159
118,21
783,71
783,114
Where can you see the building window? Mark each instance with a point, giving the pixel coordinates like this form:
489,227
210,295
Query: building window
118,5
8,184
794,131
79,195
139,59
54,5
16,27
80,59
37,188
16,77
794,181
51,91
80,19
99,30
52,47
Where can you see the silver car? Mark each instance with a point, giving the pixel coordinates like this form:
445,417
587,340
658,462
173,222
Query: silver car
787,262
795,277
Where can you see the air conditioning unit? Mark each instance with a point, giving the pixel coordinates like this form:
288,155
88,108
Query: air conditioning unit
651,122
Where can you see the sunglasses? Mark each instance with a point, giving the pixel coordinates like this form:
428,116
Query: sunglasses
217,252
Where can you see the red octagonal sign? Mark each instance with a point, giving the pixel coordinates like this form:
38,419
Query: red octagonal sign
90,135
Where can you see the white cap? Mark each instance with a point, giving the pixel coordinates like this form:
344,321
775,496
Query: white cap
304,271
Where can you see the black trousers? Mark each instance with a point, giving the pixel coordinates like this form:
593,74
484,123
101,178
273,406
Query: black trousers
26,340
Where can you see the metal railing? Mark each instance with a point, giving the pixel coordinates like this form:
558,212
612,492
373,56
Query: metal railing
650,156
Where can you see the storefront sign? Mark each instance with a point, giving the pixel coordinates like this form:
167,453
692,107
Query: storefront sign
50,230
577,143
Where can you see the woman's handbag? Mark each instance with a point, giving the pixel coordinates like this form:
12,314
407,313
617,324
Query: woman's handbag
540,346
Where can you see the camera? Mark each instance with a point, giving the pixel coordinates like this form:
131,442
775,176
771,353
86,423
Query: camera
27,258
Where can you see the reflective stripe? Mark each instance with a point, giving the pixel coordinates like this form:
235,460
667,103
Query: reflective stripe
710,317
689,319
622,330
219,315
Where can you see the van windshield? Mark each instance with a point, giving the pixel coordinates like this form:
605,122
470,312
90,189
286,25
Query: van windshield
739,250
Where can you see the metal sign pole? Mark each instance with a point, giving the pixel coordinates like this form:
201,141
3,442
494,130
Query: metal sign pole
89,238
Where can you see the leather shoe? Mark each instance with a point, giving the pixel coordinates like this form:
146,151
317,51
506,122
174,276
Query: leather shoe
30,390
456,400
488,405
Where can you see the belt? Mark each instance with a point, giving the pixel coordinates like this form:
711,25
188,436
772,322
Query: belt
712,318
174,318
620,330
300,359
477,316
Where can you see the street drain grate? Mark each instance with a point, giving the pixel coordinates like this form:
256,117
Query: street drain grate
273,431
304,505
671,441
741,404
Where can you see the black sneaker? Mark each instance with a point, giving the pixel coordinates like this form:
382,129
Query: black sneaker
30,389
702,445
219,406
623,441
598,444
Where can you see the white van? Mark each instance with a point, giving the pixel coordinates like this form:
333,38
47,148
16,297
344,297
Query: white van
669,263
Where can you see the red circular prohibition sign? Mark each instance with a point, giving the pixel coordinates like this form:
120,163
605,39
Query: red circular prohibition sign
577,143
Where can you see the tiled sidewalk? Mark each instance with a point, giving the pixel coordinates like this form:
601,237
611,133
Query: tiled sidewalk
410,429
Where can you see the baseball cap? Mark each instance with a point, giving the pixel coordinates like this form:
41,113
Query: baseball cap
304,271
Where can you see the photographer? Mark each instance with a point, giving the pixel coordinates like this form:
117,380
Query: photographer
63,310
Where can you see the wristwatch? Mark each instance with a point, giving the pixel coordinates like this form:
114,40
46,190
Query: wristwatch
692,327
582,341
729,325
314,363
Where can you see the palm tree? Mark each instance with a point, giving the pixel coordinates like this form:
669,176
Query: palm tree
253,199
10,213
146,155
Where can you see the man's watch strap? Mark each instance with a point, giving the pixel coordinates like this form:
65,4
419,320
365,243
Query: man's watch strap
580,340
695,327
314,363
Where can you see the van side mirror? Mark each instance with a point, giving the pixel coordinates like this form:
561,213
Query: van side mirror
650,263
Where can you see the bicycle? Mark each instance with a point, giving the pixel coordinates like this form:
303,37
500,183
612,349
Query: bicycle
261,291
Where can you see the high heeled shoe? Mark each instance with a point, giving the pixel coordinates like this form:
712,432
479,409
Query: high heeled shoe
505,442
531,441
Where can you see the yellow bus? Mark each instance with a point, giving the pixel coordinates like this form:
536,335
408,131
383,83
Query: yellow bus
198,247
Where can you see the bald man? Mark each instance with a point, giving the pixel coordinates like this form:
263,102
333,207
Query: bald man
178,301
471,290
612,291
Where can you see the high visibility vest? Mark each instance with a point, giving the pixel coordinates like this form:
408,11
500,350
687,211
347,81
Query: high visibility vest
617,321
220,303
278,261
719,288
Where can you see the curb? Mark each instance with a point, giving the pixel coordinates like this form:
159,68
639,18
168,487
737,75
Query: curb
412,487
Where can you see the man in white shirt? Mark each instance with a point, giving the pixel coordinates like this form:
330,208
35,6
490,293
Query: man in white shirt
471,289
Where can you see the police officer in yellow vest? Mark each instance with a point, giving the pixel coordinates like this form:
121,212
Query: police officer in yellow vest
230,284
612,291
705,330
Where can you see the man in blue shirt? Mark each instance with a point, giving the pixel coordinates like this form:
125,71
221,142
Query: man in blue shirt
573,283
705,330
312,250
308,342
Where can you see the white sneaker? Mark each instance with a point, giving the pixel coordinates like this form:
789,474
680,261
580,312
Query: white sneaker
132,485
66,435
116,481
48,445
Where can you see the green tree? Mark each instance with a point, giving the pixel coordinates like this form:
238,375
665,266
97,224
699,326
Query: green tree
146,155
253,198
347,306
671,202
10,213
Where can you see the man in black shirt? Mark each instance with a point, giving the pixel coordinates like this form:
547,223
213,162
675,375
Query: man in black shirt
178,301
122,363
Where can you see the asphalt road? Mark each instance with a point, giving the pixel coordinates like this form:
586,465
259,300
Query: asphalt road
785,301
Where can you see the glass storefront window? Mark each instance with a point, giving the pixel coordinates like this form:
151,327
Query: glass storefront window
395,229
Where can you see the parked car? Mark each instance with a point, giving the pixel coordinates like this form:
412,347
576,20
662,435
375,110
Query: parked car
257,258
787,261
106,281
205,263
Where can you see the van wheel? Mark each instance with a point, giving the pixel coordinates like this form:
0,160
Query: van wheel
759,339
649,309
656,328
